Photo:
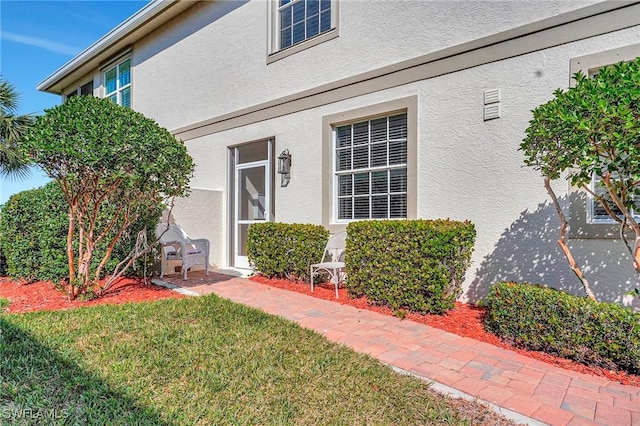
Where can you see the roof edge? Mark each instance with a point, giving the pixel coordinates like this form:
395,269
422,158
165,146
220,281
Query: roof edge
146,14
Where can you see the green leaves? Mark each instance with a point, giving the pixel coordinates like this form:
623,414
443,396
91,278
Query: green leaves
33,226
591,129
33,233
12,128
90,137
111,162
417,265
542,319
285,249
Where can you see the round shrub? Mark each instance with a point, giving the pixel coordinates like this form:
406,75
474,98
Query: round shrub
33,227
542,319
417,265
116,169
33,235
285,250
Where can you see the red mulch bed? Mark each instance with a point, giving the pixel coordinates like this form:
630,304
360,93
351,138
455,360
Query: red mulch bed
43,296
464,320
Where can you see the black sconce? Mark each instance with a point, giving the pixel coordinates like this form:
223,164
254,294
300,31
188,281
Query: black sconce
284,167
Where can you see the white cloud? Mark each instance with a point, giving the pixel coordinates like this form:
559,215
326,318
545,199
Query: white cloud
51,46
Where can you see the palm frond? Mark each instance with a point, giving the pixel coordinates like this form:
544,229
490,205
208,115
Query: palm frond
8,97
13,160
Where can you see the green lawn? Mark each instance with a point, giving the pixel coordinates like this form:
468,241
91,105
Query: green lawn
200,361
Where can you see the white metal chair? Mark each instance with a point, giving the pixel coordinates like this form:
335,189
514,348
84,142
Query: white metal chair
177,246
332,262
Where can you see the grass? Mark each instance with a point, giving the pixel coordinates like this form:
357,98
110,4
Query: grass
200,361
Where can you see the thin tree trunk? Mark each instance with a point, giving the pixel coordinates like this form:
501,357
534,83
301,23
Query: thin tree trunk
136,253
636,254
606,178
84,270
70,257
108,253
623,237
562,241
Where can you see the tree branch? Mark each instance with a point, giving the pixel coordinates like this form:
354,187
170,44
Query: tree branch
562,241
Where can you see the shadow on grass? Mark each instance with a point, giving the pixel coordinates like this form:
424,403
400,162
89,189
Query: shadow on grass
39,386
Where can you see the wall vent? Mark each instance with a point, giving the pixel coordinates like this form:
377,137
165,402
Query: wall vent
491,112
491,96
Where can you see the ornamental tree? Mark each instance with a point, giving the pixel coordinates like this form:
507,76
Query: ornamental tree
593,130
113,162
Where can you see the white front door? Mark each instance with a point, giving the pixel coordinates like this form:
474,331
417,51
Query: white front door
252,202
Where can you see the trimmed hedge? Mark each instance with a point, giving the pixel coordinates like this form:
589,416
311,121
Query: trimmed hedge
33,235
537,318
417,265
285,250
33,230
3,264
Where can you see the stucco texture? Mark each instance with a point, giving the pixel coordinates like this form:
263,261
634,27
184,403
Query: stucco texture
198,67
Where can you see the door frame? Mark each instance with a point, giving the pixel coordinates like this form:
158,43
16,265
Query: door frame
234,260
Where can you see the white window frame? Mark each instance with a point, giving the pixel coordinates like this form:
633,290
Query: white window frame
119,89
78,89
352,172
591,212
407,104
275,53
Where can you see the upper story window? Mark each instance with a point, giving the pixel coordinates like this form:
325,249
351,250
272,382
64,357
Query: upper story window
85,89
117,83
371,169
300,20
297,25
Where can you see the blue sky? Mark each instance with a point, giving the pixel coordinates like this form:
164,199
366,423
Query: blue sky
37,38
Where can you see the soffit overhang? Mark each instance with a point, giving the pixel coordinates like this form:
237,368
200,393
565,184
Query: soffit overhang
150,17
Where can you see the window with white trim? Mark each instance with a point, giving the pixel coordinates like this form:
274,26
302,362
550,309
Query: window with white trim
84,90
597,213
117,83
300,20
370,169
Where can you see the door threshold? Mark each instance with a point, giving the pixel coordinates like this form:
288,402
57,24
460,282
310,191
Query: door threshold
235,271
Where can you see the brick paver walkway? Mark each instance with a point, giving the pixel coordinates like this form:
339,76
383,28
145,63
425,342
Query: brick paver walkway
540,391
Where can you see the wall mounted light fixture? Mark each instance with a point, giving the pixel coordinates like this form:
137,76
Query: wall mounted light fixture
284,167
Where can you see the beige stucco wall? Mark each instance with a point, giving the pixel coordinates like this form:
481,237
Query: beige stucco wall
213,58
202,215
198,67
468,169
